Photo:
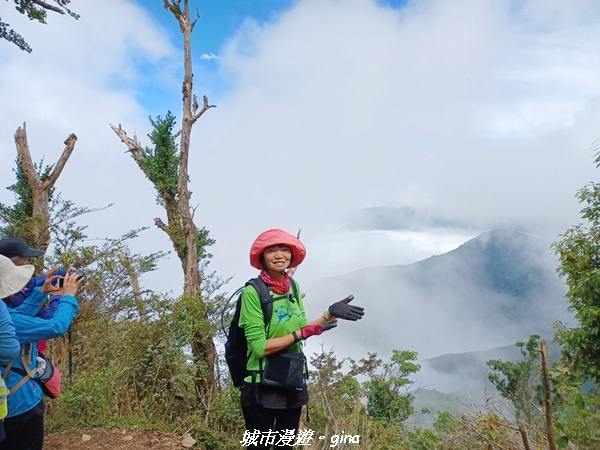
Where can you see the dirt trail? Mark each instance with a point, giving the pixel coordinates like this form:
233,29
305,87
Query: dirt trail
112,438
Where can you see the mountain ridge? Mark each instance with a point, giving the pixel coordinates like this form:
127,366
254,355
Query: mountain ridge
389,218
491,291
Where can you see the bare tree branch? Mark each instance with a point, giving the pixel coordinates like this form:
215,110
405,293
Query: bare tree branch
205,108
24,155
60,164
160,224
78,213
5,218
195,105
193,22
133,145
48,6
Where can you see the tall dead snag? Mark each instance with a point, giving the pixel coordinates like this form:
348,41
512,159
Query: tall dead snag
547,397
136,290
174,196
39,233
524,436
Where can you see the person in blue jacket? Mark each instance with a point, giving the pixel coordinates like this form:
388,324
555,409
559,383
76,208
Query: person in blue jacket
24,425
19,253
12,279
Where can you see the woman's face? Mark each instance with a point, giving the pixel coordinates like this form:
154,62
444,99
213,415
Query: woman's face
20,260
277,258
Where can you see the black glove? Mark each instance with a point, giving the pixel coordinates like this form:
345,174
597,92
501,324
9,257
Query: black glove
329,324
344,310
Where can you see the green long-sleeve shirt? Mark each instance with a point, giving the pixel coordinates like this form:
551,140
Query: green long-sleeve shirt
287,316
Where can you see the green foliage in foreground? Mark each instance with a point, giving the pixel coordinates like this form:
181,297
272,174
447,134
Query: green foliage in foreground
579,255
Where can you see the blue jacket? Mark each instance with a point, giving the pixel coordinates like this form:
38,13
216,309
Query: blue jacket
18,298
29,330
9,344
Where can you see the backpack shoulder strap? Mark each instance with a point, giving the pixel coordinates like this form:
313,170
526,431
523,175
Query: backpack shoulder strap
294,288
27,373
266,299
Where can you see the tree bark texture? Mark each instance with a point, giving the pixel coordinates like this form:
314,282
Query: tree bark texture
523,433
135,286
40,189
547,397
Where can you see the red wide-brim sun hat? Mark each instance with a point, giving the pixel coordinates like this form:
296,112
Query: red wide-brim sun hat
276,236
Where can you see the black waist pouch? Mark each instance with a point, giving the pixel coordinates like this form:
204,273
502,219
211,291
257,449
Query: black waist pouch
284,370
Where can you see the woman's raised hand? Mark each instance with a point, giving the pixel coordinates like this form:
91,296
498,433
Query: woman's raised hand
72,282
344,310
49,286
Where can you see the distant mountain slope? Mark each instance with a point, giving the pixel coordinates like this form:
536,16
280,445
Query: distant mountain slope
401,218
492,291
456,403
405,218
463,373
460,381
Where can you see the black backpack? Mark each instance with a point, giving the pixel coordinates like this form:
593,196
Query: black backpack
236,347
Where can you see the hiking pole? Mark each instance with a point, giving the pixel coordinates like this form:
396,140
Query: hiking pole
292,271
70,347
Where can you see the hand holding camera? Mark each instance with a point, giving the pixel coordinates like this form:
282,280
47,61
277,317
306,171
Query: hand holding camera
62,285
78,272
71,281
51,282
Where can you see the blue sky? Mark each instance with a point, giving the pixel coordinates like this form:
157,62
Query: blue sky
219,20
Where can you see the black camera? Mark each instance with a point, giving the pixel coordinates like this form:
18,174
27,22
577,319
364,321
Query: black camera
79,272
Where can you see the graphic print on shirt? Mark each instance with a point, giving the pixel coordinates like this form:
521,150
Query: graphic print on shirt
285,314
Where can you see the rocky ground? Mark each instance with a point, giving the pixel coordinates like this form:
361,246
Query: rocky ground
112,438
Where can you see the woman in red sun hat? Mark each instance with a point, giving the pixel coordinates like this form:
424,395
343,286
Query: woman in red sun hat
274,390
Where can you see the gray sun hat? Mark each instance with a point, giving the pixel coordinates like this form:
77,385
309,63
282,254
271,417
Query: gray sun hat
13,278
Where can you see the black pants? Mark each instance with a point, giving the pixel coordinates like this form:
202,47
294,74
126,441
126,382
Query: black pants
276,421
24,431
271,412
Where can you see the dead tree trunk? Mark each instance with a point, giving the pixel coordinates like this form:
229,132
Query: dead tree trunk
135,286
547,397
524,436
39,233
202,342
180,226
